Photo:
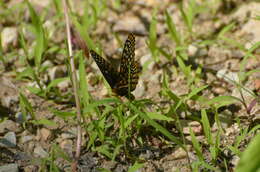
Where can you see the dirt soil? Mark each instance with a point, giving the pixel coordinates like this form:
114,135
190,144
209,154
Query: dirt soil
24,146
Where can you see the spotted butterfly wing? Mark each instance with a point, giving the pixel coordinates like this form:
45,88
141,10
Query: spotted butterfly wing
124,81
129,68
106,69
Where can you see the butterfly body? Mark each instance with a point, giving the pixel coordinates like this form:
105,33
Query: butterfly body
124,81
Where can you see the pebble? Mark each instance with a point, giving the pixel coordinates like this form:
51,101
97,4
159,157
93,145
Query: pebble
9,168
194,126
67,146
41,3
8,125
64,85
20,117
230,77
9,94
9,140
25,139
39,151
45,134
148,154
129,24
235,160
109,165
47,64
179,154
192,50
56,72
71,133
140,89
147,59
9,36
238,54
219,90
257,84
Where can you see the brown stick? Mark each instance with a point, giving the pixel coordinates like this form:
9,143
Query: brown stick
75,88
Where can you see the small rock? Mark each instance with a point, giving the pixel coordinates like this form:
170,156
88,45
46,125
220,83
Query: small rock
248,45
247,96
156,77
8,125
30,168
250,26
140,89
257,51
41,4
9,168
20,117
129,24
238,54
64,85
179,154
39,151
9,36
221,73
148,3
257,84
71,133
192,50
9,140
103,91
25,139
202,52
232,130
147,155
109,165
47,64
9,94
219,90
45,134
22,156
88,161
230,77
235,160
194,126
56,72
67,145
147,59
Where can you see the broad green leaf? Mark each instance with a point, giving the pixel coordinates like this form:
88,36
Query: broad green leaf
250,159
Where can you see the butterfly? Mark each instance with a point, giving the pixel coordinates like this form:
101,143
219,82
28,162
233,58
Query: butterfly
124,81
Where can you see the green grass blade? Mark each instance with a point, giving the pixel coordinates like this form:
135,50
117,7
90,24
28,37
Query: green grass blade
26,106
135,167
206,126
196,145
40,37
55,82
250,159
83,87
172,28
158,126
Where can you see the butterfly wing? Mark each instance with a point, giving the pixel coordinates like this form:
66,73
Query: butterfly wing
129,68
128,54
106,69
